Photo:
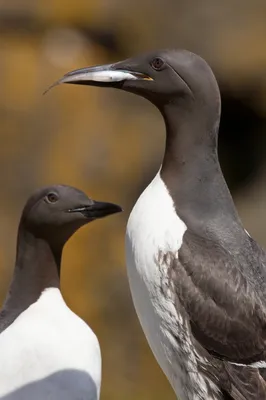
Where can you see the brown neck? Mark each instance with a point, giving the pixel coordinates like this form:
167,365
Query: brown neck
191,135
37,268
191,169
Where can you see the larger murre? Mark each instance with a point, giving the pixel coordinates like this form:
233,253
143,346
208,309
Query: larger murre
198,280
47,351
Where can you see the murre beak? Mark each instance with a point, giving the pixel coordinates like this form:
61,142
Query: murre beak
98,209
103,75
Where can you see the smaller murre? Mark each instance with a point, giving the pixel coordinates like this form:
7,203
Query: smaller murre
47,351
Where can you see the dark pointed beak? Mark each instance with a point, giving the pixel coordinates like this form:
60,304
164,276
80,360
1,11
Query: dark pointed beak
103,75
98,209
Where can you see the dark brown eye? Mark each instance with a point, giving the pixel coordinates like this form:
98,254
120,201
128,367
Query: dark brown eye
157,64
52,197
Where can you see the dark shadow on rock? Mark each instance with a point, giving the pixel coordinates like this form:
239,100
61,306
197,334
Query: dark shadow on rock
64,385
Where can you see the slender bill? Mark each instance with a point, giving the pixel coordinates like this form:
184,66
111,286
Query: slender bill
99,76
98,209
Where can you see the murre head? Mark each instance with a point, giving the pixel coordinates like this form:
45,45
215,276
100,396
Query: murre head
163,77
54,213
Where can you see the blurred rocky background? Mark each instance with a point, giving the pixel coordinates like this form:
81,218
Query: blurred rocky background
110,143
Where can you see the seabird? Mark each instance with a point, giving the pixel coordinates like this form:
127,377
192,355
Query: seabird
47,351
198,280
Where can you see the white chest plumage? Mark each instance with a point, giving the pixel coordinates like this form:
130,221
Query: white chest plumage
154,229
49,353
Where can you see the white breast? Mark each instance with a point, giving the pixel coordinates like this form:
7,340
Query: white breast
154,229
49,353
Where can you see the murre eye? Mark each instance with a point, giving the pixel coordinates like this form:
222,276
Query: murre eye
157,63
52,197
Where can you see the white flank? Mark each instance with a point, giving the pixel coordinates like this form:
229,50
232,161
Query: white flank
49,352
258,364
247,233
153,230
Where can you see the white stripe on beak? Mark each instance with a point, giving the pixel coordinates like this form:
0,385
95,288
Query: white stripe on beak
101,74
